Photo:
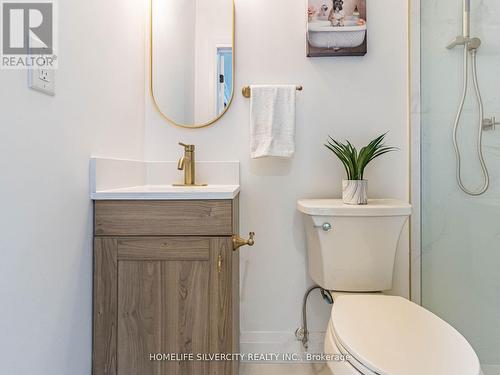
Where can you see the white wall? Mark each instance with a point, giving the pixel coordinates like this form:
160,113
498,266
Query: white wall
46,143
355,98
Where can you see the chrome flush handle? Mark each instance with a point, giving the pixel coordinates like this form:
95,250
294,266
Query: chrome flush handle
327,227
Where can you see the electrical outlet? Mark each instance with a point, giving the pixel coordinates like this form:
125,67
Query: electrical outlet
43,75
42,80
39,78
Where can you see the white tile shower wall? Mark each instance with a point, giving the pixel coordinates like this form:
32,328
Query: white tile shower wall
349,97
460,250
489,369
46,143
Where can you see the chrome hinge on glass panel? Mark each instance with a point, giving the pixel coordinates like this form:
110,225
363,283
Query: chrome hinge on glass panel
490,123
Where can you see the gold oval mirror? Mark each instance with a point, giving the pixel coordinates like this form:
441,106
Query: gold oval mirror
192,60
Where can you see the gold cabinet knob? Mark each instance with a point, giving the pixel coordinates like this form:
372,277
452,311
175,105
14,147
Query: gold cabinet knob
239,242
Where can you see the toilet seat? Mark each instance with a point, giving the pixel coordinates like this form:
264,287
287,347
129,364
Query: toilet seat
390,335
349,357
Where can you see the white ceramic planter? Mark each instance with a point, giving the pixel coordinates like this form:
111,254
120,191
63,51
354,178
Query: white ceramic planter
355,192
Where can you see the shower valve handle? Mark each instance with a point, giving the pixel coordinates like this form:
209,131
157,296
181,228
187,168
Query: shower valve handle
490,123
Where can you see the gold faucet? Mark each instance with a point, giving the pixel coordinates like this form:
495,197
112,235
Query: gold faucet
187,163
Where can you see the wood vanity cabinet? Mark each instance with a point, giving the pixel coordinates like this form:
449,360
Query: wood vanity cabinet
165,281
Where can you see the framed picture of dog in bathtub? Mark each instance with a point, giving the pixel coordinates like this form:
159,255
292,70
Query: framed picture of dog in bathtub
336,28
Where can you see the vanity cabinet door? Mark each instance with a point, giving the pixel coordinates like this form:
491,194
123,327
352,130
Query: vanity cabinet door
162,296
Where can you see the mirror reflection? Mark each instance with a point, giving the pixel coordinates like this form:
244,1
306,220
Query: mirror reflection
192,59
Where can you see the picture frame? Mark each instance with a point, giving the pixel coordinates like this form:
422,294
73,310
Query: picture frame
336,28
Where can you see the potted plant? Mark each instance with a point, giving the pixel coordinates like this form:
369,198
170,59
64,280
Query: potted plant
354,189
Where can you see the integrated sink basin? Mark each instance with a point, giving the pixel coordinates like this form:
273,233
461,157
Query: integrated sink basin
113,179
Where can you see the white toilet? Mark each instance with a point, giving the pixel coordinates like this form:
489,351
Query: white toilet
351,252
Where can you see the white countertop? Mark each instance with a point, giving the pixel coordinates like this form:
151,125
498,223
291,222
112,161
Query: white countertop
169,192
116,179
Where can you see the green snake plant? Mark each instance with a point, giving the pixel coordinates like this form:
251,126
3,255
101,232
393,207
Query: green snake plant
355,162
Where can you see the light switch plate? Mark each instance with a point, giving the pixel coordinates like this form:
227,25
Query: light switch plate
42,80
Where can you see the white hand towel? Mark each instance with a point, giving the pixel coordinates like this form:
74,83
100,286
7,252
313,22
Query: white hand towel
272,121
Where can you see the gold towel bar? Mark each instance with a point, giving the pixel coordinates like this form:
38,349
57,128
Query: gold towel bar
247,91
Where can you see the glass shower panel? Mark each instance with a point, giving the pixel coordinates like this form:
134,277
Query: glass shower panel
461,233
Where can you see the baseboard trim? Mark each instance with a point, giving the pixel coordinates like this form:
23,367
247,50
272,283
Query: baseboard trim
279,342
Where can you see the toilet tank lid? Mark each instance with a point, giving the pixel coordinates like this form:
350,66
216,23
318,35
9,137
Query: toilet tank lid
335,207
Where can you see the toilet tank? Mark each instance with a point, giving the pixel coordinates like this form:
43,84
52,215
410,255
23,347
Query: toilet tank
353,248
